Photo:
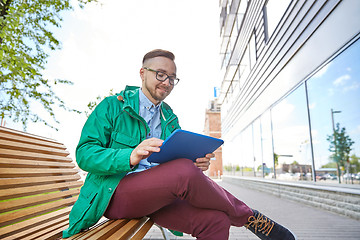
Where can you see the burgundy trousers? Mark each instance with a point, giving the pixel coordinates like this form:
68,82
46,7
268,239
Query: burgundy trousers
178,196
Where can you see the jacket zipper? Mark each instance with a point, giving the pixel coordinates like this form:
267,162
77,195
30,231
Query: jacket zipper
139,121
166,125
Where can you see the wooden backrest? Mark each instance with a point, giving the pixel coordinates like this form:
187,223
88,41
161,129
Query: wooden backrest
38,186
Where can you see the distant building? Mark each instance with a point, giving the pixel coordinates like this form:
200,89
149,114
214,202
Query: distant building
295,168
213,129
290,72
322,171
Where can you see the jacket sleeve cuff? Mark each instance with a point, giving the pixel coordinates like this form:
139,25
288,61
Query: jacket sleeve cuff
128,154
123,157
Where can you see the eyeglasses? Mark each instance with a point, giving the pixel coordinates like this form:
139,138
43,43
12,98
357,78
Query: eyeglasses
161,76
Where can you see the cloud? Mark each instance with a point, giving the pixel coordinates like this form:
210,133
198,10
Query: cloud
288,139
354,85
341,81
283,111
322,71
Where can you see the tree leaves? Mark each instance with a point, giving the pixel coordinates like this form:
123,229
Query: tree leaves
25,43
340,145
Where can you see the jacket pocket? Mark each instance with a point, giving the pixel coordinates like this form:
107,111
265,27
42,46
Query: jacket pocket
79,212
121,140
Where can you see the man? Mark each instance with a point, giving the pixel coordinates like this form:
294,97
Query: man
115,142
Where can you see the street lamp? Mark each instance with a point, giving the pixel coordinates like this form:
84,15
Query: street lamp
334,134
332,118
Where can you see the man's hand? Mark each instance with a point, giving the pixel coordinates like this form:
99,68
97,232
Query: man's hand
204,163
144,149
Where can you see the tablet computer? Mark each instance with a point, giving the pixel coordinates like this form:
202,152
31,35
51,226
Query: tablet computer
185,144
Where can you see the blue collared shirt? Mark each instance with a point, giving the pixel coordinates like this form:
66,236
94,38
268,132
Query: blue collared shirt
151,115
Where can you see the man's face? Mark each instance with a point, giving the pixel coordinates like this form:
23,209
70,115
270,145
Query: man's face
155,90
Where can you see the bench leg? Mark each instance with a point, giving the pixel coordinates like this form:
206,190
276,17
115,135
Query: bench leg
164,232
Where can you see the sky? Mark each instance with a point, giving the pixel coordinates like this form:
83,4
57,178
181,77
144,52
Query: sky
102,49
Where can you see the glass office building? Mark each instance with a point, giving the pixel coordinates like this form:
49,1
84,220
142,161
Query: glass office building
290,89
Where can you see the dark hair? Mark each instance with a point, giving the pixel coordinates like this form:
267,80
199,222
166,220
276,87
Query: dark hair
158,53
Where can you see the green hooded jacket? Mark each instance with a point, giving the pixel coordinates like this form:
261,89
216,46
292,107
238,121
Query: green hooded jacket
108,137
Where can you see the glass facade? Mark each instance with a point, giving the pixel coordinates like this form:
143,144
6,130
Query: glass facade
292,137
311,134
334,97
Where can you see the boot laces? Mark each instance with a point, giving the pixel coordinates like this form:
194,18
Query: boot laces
260,223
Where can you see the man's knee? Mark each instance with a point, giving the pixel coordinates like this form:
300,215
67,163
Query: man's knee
184,167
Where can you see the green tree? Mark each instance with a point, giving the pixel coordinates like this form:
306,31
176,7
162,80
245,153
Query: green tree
91,105
276,159
340,146
329,165
25,42
355,161
295,162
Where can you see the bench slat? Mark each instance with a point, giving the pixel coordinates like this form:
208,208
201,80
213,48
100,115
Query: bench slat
17,172
8,153
29,147
49,232
8,218
35,141
59,222
21,226
128,230
26,191
108,230
4,130
143,230
30,181
105,226
34,200
7,162
55,235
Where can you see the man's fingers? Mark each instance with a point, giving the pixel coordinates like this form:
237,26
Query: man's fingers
202,160
203,163
152,142
153,149
144,149
147,150
210,155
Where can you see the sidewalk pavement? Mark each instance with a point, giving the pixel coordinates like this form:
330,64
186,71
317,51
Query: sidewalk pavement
308,223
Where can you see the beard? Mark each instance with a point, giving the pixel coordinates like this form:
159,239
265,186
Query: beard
158,92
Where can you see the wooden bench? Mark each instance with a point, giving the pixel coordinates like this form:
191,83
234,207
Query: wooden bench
38,185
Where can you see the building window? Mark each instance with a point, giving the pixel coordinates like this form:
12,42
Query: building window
334,96
267,145
257,146
252,47
273,12
292,148
247,161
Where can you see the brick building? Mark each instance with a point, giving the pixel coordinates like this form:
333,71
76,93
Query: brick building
213,129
